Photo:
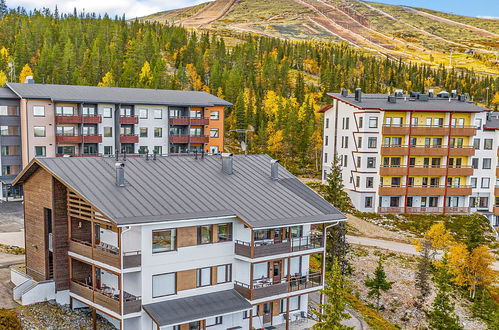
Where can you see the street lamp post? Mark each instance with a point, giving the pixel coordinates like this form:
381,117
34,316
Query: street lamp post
324,262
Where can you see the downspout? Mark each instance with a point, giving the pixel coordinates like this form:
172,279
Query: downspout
324,241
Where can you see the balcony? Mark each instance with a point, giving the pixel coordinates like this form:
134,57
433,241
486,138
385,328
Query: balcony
93,138
267,287
68,138
131,304
425,170
424,210
394,150
76,119
132,259
459,190
395,130
391,210
189,121
426,150
457,210
391,190
429,150
129,120
273,247
393,170
460,171
129,138
462,151
189,139
425,190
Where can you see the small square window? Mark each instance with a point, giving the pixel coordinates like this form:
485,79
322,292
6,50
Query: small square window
108,150
158,132
158,114
371,162
107,112
373,122
143,131
214,115
39,111
40,151
108,131
39,131
214,132
143,113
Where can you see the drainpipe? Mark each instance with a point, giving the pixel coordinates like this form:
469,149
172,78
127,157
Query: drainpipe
324,261
127,228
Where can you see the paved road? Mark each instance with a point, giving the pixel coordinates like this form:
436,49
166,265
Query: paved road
392,246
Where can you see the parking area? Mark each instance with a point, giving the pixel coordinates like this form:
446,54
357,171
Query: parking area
11,216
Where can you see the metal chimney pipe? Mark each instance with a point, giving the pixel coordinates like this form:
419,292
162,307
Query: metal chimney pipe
274,169
227,163
120,174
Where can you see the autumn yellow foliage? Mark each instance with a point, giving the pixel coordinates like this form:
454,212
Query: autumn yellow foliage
25,72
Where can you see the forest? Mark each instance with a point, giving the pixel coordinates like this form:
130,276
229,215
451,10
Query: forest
276,86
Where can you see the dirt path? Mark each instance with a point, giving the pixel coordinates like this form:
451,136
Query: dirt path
208,14
367,229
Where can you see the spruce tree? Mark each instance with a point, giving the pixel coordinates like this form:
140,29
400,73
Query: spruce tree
332,311
338,247
333,190
442,317
423,273
3,8
378,283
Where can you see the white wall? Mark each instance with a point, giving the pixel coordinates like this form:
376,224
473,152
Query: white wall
131,240
150,141
106,122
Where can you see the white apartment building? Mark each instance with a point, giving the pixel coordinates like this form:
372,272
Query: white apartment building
174,242
417,153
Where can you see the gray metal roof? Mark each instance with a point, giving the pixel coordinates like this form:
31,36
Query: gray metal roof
181,187
6,93
380,102
492,121
92,94
195,308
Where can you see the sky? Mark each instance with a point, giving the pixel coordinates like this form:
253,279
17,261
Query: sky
137,8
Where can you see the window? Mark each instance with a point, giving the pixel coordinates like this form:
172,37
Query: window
158,114
485,182
39,111
64,111
473,182
359,142
215,115
158,132
108,150
143,113
107,112
359,162
158,150
204,234
214,321
474,163
476,144
214,132
369,182
346,142
40,151
6,170
294,304
478,123
224,232
326,140
88,110
89,130
483,202
163,240
361,121
39,131
372,142
345,160
164,285
325,157
486,163
108,131
224,273
371,162
65,130
357,181
347,123
203,276
195,114
368,202
327,123
143,150
9,110
487,144
373,122
143,131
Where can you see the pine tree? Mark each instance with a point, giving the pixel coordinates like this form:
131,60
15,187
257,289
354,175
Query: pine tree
378,283
441,317
332,312
3,8
333,191
422,282
338,247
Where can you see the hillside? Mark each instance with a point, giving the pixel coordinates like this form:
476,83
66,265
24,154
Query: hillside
412,34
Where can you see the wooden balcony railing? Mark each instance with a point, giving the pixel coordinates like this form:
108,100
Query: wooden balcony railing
106,254
132,259
426,150
189,121
424,210
429,130
77,119
424,190
425,170
266,287
273,247
131,304
188,138
129,120
129,138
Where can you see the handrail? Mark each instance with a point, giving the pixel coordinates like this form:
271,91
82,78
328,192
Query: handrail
428,166
425,146
127,253
284,279
426,186
429,126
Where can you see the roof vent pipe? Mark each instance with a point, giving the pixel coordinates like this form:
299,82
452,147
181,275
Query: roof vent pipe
227,163
29,80
120,174
344,92
358,95
274,169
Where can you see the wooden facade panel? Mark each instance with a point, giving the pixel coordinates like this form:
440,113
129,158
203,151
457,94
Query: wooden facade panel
60,236
81,249
81,290
214,275
106,257
276,307
38,192
187,236
186,280
107,302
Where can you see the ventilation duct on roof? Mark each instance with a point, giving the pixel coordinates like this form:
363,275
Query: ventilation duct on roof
399,93
274,169
453,94
227,163
344,92
120,174
358,95
431,93
392,99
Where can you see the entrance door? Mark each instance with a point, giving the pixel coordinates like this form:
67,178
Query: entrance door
276,271
267,313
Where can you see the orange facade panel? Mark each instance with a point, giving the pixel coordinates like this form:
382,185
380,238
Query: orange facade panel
428,151
429,131
129,138
395,130
458,191
391,191
129,120
394,151
426,191
95,119
427,171
461,171
392,171
463,131
464,151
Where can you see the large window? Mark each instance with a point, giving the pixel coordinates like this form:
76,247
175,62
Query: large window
65,130
163,240
224,273
204,234
294,304
164,285
88,110
224,232
9,110
39,131
39,111
108,150
203,277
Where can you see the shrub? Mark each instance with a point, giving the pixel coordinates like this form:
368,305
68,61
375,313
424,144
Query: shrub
9,320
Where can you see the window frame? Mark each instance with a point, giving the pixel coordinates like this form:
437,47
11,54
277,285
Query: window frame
228,273
156,130
39,127
229,239
162,230
373,122
104,112
174,285
199,277
199,234
217,117
38,107
44,148
214,133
